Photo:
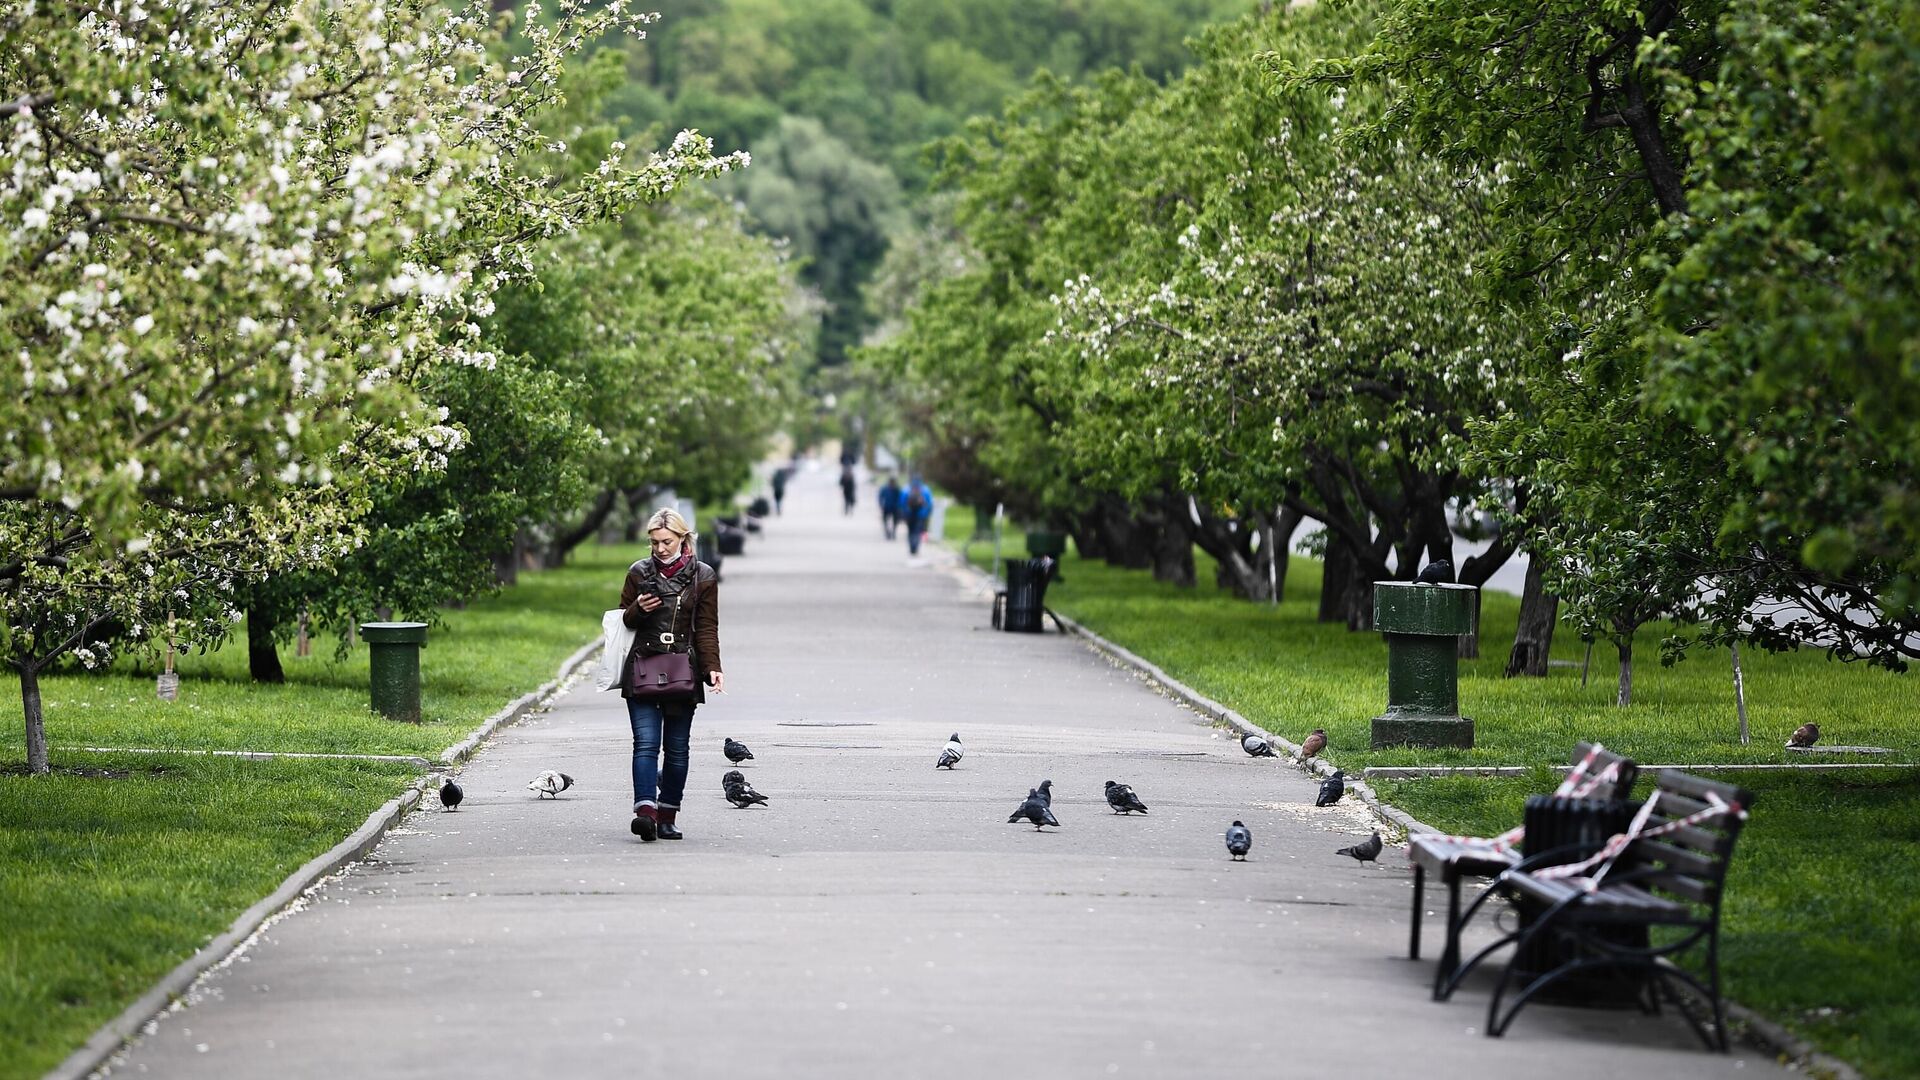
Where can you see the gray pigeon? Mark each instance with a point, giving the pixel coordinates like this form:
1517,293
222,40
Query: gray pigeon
739,792
1366,850
1255,746
1122,799
736,752
1332,788
1239,841
550,783
1036,810
450,794
952,754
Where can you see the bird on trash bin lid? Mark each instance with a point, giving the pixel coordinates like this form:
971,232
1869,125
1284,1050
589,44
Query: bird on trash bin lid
1438,572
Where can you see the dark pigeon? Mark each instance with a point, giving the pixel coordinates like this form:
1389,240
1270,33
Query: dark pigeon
950,756
1366,850
1255,746
737,752
1436,573
1123,800
1036,810
1331,789
450,794
1804,735
739,792
1239,841
1314,743
1045,791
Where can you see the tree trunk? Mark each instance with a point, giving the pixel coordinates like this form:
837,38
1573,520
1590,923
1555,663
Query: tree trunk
1336,577
1625,697
1279,545
1740,695
568,539
36,719
1128,544
506,564
1173,542
1539,610
1359,598
1088,539
263,660
1238,568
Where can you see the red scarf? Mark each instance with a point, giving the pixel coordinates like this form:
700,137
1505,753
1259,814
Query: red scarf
667,570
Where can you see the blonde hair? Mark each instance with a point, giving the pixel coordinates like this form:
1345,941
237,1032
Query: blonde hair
669,519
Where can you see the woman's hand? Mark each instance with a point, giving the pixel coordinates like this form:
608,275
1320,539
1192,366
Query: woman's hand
647,601
718,681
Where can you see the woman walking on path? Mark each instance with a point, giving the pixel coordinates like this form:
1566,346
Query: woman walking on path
672,603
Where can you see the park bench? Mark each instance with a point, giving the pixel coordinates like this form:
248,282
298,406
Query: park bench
1596,773
1666,870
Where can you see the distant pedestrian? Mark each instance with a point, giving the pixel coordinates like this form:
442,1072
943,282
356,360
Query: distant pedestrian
848,487
890,495
780,486
672,603
916,511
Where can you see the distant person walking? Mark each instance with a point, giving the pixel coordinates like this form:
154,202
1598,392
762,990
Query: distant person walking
890,495
916,511
672,603
848,487
780,486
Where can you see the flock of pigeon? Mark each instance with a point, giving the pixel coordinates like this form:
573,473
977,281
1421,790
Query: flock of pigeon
1036,809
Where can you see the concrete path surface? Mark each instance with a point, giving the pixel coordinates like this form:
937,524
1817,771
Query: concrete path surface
879,918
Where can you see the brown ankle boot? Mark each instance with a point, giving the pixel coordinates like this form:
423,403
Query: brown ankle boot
666,827
645,823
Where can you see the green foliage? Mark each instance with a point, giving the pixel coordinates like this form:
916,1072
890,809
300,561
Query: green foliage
1700,219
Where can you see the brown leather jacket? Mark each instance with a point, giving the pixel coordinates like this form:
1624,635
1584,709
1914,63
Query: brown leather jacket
675,616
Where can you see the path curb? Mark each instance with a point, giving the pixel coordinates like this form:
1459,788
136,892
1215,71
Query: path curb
1758,1031
110,1037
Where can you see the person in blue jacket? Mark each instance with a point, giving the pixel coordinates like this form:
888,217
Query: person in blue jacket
916,511
890,495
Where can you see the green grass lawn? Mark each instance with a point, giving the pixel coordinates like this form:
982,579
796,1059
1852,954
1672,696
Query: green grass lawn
116,867
484,656
1823,905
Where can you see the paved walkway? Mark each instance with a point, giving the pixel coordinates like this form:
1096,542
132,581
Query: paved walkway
879,919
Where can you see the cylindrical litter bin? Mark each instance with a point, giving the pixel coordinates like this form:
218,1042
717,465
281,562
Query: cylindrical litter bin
1026,595
394,667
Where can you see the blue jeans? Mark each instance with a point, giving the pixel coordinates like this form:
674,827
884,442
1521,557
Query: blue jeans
653,728
915,531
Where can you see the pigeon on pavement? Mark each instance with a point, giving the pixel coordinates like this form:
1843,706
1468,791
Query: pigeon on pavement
1239,841
1036,810
739,792
737,752
1366,850
1804,735
1122,799
1255,746
952,754
550,783
1436,573
450,794
1045,791
1314,743
1331,789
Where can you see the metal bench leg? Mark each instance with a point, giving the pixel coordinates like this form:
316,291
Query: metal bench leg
1419,888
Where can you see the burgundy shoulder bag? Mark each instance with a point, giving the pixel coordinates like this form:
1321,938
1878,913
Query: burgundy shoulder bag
667,675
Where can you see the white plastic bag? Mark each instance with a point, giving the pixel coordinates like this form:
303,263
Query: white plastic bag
619,640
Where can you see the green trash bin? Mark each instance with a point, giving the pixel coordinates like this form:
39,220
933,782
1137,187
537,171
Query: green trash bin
394,667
